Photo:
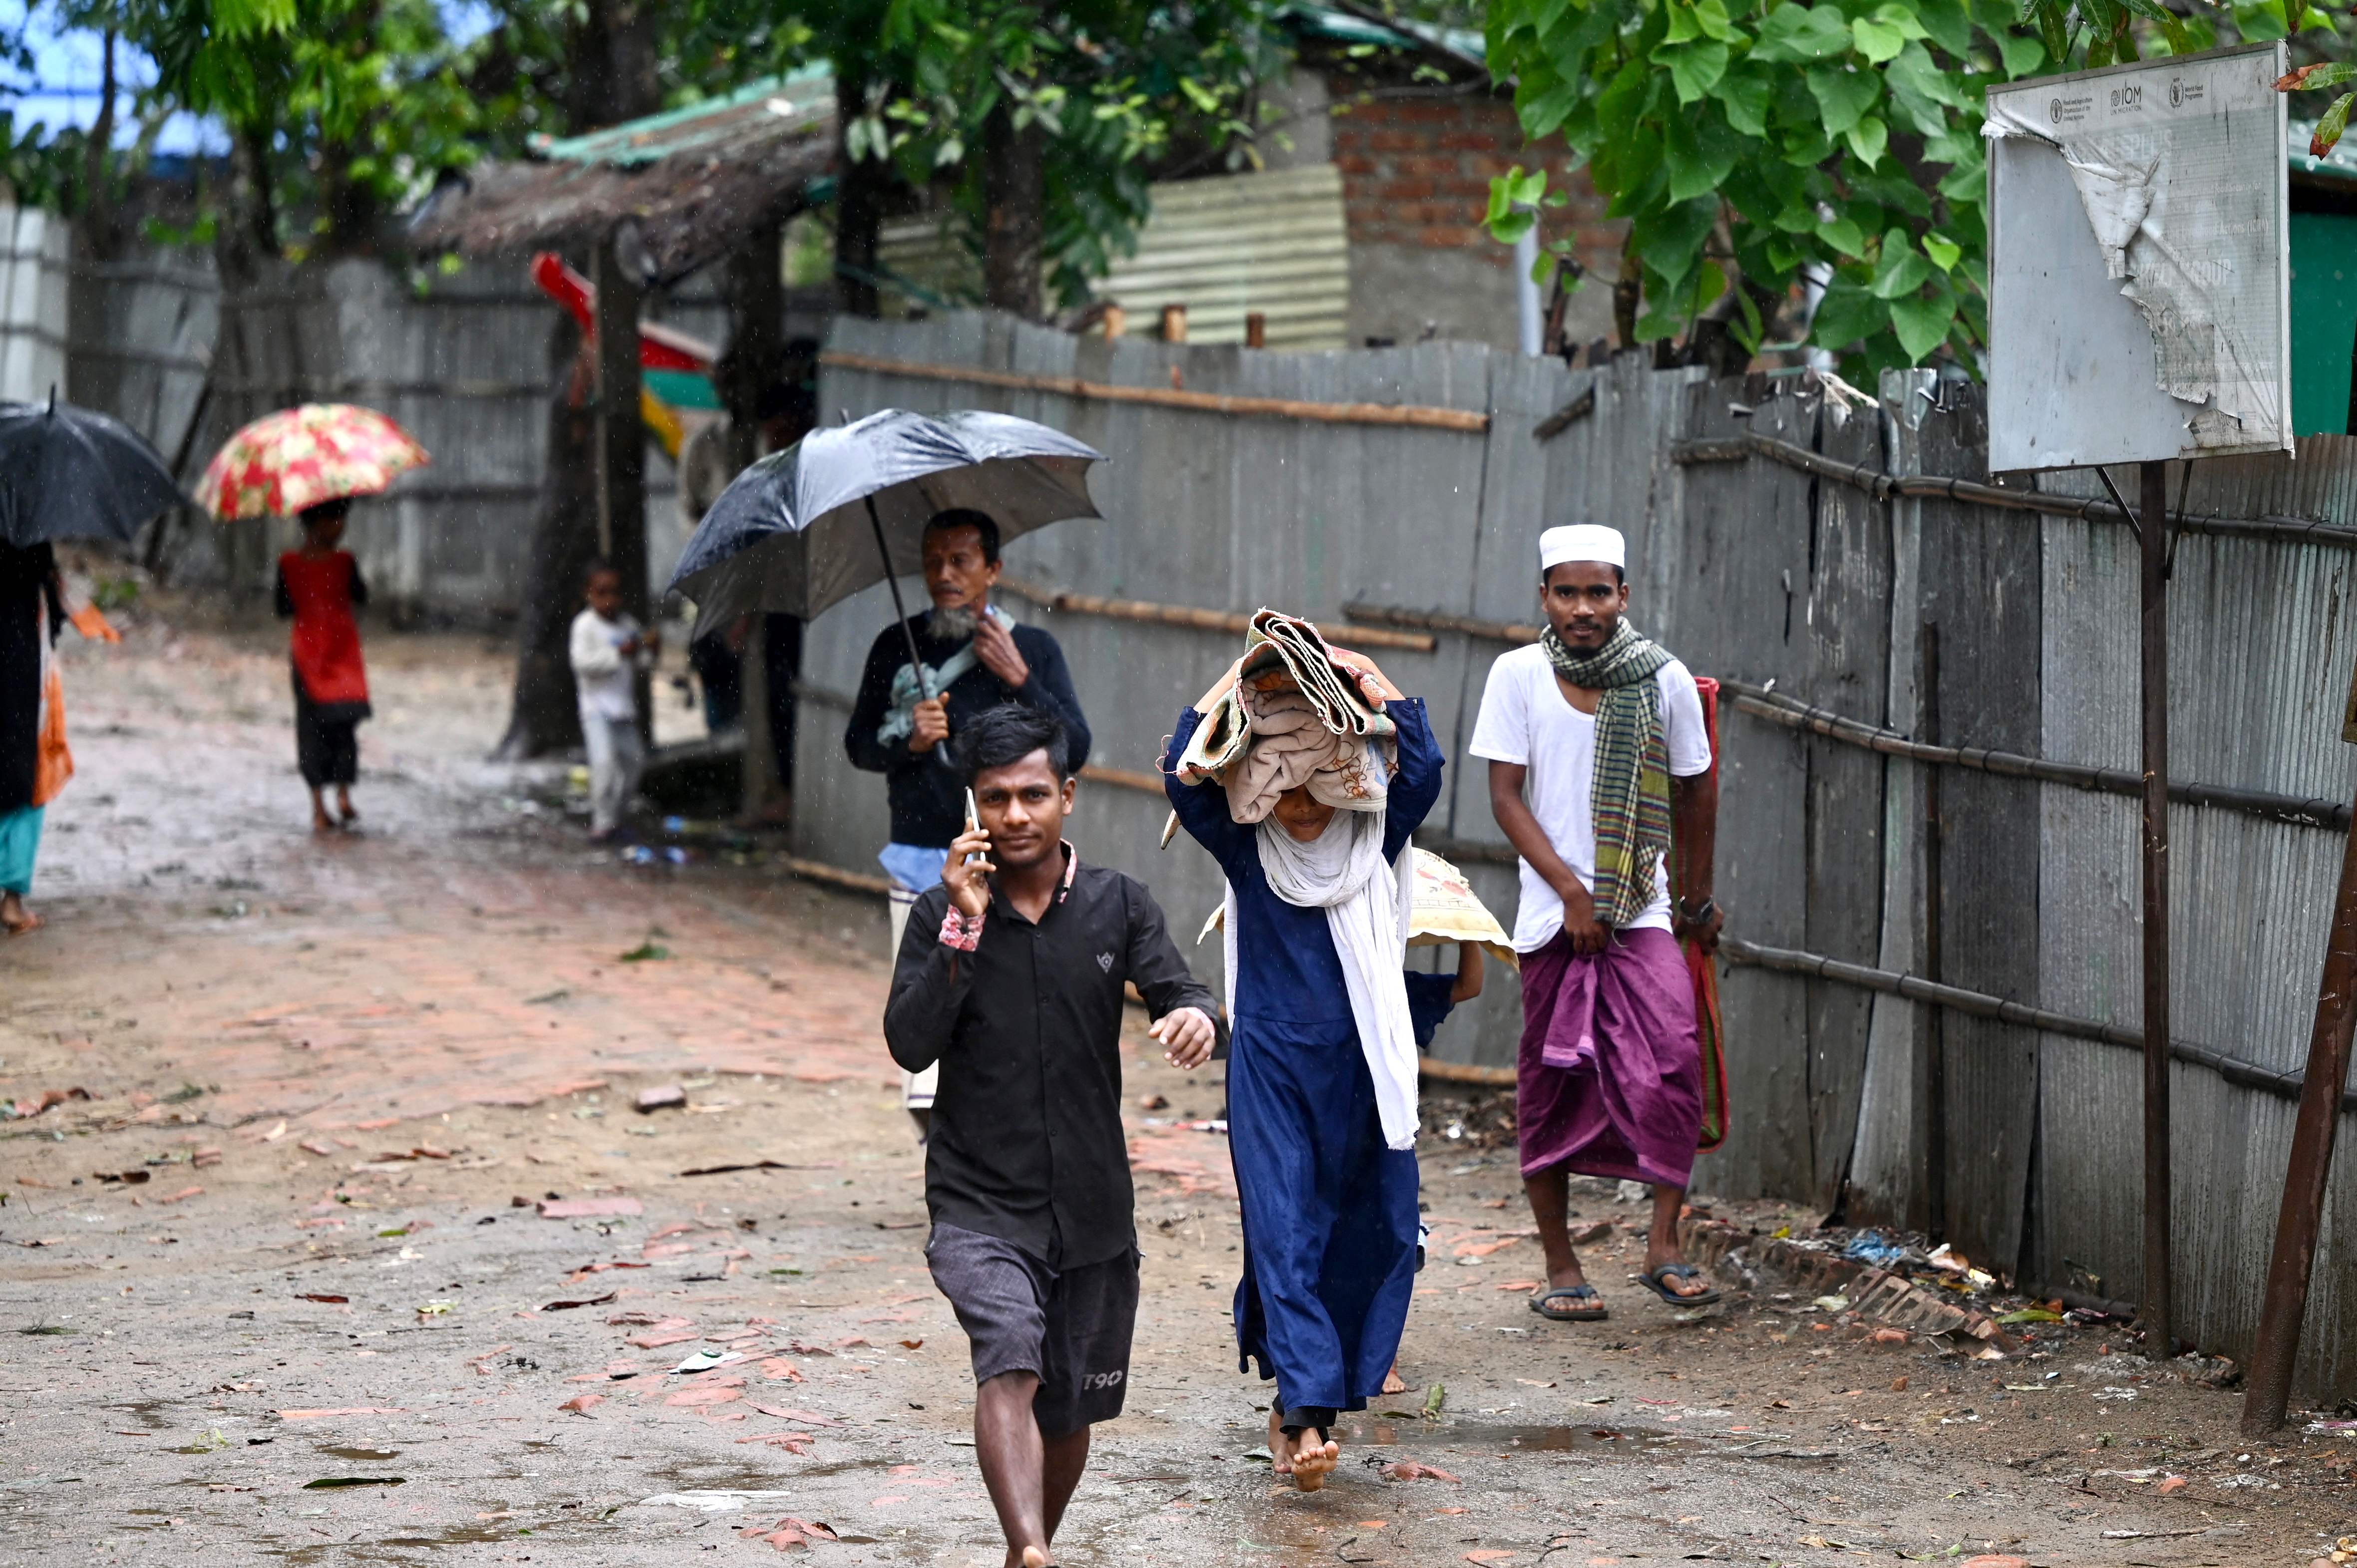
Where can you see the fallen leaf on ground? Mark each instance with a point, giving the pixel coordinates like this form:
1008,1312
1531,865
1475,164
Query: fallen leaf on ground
313,1147
568,1305
1411,1470
1517,1285
588,1207
792,1442
582,1404
185,1192
338,1300
777,1369
807,1417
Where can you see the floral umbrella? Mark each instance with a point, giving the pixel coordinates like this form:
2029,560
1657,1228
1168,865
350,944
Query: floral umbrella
298,457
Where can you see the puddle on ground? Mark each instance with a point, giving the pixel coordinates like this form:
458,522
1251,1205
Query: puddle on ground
363,1453
398,1547
146,1410
1541,1439
712,1478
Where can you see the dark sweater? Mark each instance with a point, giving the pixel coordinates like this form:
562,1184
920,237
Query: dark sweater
929,799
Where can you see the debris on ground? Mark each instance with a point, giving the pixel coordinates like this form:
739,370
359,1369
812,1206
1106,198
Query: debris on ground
663,1097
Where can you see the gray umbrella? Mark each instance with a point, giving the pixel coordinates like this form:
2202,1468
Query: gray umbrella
845,507
73,473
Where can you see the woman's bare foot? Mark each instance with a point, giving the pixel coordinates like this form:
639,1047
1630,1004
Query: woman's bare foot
1280,1455
1034,1558
1391,1380
1314,1459
14,919
345,812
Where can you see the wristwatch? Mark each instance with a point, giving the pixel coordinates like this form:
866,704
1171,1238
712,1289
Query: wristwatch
1693,916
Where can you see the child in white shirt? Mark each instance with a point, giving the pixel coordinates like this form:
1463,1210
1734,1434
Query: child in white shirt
607,648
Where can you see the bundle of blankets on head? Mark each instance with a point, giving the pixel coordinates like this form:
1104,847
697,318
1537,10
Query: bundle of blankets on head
1294,717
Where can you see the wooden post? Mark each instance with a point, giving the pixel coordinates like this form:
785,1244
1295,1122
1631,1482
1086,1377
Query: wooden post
622,444
2159,1320
1256,330
1174,324
1116,320
1935,1041
2285,1309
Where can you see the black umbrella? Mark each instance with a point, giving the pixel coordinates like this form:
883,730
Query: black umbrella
73,473
808,527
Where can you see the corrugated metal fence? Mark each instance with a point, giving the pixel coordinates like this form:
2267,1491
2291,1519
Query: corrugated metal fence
33,259
1769,548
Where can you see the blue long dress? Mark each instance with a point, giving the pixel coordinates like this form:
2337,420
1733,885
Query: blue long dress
1330,1214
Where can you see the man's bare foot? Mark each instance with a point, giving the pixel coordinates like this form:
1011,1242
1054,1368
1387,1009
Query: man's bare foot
1392,1384
320,822
346,811
1314,1460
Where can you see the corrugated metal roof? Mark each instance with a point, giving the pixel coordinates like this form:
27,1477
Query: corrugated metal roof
757,113
1275,244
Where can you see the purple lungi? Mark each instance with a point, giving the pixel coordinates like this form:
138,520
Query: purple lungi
1610,1073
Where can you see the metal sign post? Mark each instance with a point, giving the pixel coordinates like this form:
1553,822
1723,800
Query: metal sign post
2139,311
2302,1214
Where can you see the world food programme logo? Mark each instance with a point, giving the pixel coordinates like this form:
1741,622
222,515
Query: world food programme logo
2176,92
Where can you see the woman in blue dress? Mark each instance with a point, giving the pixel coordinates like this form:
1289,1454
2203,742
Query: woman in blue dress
1321,1123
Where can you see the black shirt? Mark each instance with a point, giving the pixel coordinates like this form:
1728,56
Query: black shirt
1027,1141
927,799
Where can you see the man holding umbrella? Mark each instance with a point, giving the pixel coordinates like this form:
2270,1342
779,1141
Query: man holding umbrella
852,505
975,658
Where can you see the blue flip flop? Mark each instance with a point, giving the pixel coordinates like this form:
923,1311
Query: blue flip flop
1595,1311
1652,1279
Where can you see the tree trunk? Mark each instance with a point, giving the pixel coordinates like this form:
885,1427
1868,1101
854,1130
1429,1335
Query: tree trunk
252,235
610,78
1628,291
99,237
754,363
543,716
1015,190
859,185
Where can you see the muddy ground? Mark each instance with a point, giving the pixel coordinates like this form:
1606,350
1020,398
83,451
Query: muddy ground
317,1315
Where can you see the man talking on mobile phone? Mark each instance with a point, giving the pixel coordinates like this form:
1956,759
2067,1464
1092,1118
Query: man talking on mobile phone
1010,977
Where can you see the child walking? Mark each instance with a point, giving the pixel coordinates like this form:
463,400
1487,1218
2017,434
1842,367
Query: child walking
318,588
1321,1076
608,648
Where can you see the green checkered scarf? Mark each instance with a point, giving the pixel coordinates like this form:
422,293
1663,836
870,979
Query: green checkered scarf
1632,790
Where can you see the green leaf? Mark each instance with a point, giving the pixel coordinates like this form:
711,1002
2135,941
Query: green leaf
1845,315
1708,286
1845,237
1868,138
1803,33
1902,270
1699,152
2329,129
1922,324
1670,241
1877,42
1947,24
1694,68
1944,252
1843,96
1683,26
1711,16
1743,94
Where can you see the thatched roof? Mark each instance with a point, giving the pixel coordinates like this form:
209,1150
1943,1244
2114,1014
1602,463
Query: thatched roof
696,180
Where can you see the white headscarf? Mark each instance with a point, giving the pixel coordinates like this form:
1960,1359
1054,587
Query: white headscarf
1367,902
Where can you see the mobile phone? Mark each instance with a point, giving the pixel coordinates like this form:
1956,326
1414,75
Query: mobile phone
972,820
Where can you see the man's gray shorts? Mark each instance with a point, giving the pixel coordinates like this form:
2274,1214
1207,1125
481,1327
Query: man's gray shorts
1070,1326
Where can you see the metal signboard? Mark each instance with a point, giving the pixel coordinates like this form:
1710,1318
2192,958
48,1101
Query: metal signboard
2139,275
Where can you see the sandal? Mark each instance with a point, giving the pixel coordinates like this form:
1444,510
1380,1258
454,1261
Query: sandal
1653,1278
1594,1312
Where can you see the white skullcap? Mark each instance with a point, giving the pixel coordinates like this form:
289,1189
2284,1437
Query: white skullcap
1583,541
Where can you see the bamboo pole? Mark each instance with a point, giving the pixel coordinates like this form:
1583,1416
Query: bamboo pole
1470,421
1343,634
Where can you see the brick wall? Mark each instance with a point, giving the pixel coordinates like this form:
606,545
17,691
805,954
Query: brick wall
1416,172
